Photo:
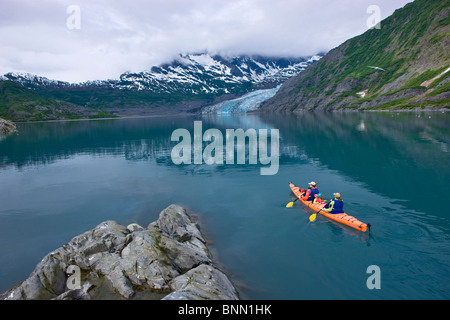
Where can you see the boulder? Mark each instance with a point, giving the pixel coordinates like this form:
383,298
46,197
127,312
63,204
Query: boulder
204,282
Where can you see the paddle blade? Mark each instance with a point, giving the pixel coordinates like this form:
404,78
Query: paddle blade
313,217
290,204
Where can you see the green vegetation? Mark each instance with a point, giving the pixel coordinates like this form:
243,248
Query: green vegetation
439,80
104,98
444,88
18,103
102,114
427,75
391,104
404,104
393,47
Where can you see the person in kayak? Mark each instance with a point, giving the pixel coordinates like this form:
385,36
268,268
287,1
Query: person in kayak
311,192
319,198
336,205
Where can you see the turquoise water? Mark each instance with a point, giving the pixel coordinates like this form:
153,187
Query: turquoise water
59,179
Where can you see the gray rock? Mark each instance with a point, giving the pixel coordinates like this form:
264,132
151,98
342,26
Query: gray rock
185,255
204,282
144,263
47,280
134,227
180,239
175,223
6,127
169,257
77,294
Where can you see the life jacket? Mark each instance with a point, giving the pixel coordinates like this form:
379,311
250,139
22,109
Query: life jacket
318,200
338,207
313,191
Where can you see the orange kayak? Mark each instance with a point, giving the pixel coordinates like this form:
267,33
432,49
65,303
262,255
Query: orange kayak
339,217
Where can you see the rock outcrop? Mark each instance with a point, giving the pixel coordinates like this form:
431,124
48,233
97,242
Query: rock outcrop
7,126
167,260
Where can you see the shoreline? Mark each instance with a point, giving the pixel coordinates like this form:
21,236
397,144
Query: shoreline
349,110
108,118
257,111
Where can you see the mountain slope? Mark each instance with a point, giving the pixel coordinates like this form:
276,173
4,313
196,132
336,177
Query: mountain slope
19,103
405,64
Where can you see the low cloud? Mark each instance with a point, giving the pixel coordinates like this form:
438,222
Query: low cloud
117,36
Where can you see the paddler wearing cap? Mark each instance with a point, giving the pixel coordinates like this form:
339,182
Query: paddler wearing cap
311,192
336,205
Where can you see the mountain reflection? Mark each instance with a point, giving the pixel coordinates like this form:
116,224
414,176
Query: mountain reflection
356,144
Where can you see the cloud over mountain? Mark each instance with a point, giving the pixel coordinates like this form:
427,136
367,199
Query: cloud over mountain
116,36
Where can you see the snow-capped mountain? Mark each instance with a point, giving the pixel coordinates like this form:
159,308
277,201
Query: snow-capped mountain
203,73
191,74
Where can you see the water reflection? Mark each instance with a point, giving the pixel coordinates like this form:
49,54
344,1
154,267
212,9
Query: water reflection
413,145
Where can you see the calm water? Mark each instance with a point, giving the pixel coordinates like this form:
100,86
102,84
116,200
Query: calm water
60,179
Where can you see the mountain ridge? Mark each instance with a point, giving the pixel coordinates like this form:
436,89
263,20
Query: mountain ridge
186,84
189,69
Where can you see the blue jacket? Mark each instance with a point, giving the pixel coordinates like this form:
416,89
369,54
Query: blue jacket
338,206
312,193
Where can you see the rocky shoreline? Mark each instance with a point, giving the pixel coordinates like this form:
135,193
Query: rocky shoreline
168,260
7,126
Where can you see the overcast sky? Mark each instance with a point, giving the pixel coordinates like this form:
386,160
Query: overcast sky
110,37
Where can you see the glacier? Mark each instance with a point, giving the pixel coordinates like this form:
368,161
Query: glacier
248,102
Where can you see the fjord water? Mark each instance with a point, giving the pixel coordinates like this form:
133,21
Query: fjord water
60,179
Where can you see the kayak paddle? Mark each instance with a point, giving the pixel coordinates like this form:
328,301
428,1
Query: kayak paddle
314,216
290,204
